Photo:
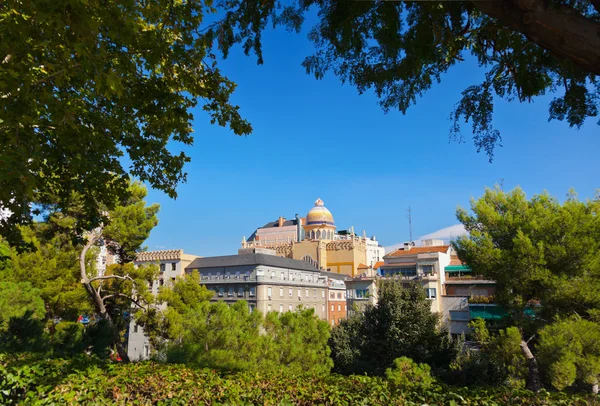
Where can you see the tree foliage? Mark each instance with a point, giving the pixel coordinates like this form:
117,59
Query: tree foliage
401,324
83,84
193,330
18,299
538,251
497,359
569,352
408,375
401,49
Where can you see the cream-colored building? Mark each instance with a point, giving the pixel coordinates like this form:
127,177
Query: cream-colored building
317,241
171,264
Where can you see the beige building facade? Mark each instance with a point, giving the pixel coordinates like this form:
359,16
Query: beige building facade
317,241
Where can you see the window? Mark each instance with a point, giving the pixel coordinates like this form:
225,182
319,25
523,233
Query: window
161,282
146,351
332,295
240,291
299,292
307,292
291,291
315,293
173,279
281,292
173,266
345,308
162,267
404,271
362,293
323,293
269,308
230,292
332,307
252,307
323,309
221,291
427,269
291,308
333,322
280,308
431,293
269,291
252,291
339,308
339,295
283,276
135,328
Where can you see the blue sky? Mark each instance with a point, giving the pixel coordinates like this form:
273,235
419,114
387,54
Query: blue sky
321,139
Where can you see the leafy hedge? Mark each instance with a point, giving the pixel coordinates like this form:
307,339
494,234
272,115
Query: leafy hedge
92,382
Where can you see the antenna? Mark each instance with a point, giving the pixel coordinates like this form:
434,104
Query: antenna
409,223
502,184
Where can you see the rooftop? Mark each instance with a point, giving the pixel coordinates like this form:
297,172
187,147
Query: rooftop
250,259
150,256
418,250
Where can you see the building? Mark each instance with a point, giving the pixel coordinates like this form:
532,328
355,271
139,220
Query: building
467,297
104,258
449,284
171,265
361,292
337,306
267,282
315,239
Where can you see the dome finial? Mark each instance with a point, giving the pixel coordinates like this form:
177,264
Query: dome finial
319,202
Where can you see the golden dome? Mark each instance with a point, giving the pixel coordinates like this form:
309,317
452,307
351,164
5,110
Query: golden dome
319,215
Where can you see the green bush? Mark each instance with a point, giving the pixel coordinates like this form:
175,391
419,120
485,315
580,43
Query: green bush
90,381
408,375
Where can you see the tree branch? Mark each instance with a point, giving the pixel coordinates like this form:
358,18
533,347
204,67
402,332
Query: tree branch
563,31
126,297
119,277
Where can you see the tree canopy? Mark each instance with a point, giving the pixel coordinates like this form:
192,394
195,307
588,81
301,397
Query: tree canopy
84,84
401,324
400,49
538,251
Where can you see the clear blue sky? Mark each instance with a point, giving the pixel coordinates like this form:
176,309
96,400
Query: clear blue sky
321,139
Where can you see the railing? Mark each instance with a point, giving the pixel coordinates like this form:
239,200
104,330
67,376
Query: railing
466,278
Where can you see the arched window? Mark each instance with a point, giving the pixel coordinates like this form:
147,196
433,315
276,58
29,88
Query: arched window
312,234
318,234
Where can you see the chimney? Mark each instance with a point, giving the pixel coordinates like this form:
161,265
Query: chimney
408,245
280,221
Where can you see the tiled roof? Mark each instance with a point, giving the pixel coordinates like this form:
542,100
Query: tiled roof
418,250
455,261
378,265
150,256
362,266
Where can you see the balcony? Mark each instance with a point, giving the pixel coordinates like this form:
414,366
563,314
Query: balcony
466,278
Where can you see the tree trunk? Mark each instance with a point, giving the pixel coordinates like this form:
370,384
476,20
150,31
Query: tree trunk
533,376
561,30
95,295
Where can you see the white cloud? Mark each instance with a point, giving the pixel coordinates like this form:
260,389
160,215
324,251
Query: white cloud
446,234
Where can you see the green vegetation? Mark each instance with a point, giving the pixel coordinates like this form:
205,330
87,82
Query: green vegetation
401,324
147,383
545,258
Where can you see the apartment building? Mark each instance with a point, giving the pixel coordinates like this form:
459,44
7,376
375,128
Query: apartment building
171,264
267,282
337,306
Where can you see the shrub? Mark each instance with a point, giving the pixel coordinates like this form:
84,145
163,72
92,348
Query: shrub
408,375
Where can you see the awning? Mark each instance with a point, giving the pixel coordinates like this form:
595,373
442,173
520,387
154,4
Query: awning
457,268
486,312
